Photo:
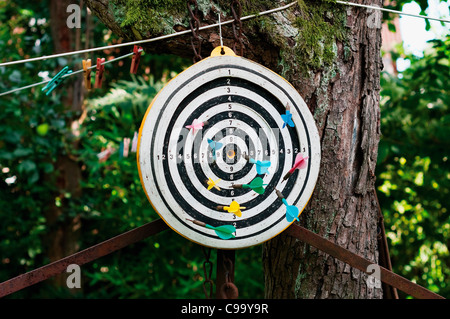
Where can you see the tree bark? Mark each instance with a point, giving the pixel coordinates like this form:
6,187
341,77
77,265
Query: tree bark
342,93
343,208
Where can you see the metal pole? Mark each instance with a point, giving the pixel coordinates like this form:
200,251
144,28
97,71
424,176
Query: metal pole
225,287
359,262
89,254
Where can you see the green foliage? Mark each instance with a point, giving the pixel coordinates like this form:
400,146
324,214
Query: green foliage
413,167
398,5
28,150
35,132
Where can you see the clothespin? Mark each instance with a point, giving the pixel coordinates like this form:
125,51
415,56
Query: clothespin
57,79
137,50
134,143
105,154
99,74
87,73
121,149
126,146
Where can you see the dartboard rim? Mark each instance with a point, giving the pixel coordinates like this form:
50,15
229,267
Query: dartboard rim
316,150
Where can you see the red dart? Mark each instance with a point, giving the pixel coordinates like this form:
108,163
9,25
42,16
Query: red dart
300,162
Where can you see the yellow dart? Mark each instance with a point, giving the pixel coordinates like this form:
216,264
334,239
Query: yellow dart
234,208
212,184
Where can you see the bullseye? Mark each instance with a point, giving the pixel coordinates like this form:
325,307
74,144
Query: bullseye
231,154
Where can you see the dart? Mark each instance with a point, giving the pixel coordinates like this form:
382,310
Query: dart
223,231
212,184
214,146
292,211
256,185
287,119
262,167
234,208
300,162
196,125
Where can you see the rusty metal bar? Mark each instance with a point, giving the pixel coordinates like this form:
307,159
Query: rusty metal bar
389,292
225,274
87,255
359,262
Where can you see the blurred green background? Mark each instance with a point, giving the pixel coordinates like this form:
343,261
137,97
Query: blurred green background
37,132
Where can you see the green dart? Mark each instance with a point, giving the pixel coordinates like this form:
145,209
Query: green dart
223,231
256,185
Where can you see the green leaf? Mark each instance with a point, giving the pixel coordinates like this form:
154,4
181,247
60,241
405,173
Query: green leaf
26,166
21,152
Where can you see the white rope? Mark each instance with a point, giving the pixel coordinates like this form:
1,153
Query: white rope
220,32
392,11
67,75
167,36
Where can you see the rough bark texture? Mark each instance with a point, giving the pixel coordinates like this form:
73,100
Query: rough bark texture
342,208
338,77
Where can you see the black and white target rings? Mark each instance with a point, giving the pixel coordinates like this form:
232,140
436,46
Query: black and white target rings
228,152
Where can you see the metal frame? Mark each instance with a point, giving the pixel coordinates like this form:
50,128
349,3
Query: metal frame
111,245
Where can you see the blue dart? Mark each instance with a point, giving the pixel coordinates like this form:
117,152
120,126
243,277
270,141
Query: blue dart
287,119
215,146
262,167
292,211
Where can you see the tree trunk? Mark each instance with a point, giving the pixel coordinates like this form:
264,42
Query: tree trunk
345,102
331,54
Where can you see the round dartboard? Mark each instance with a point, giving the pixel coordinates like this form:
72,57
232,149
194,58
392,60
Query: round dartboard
228,152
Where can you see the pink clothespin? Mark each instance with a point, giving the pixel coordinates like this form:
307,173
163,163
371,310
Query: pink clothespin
126,146
134,143
137,50
99,74
104,154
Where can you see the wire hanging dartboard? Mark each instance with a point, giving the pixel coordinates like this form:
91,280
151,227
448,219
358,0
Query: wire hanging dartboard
218,150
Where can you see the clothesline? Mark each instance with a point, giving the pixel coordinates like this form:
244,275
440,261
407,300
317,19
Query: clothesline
167,36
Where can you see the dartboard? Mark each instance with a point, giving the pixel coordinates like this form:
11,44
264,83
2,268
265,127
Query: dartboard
228,153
